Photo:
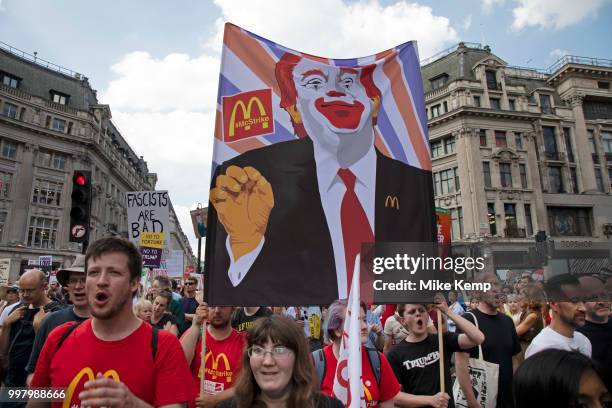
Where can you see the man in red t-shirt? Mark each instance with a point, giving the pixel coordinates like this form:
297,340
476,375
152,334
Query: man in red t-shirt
114,358
224,348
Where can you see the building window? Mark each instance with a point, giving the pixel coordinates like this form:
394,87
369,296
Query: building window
445,106
449,145
491,215
42,232
437,185
446,181
3,215
59,125
9,110
5,184
10,80
545,103
567,135
435,111
574,177
494,103
528,220
439,81
510,216
603,85
47,192
505,174
599,180
55,160
486,169
483,137
511,104
606,141
518,141
456,223
593,147
569,221
9,150
477,101
436,149
555,179
491,80
523,171
550,143
500,138
59,97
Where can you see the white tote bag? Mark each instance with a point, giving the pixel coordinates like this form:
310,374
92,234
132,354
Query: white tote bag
484,378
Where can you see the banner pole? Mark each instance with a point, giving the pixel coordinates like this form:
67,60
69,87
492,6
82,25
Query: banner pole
441,350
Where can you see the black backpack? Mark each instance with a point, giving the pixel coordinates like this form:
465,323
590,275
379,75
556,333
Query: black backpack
70,329
321,363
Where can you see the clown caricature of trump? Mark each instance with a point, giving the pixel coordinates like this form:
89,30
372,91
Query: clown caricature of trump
287,219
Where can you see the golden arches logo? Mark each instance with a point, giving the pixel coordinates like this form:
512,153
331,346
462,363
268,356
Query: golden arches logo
247,122
214,371
392,201
85,372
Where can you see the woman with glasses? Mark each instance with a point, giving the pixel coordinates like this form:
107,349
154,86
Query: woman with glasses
379,382
277,369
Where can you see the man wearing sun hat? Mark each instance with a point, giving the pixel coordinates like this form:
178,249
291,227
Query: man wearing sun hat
72,278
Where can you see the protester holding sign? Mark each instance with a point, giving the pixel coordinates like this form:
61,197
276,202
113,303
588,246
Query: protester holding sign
379,382
224,349
101,361
416,360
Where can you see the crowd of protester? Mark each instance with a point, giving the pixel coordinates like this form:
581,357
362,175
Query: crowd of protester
110,342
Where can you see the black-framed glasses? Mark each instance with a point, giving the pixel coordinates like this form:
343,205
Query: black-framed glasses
277,352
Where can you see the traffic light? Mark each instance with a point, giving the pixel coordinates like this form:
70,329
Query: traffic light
81,206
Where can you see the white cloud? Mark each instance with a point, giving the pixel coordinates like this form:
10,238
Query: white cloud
489,5
174,82
467,22
555,14
165,106
558,53
333,28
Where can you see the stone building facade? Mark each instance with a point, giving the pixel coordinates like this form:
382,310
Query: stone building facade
50,125
519,150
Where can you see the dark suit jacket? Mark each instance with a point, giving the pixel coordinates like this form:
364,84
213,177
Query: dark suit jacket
296,264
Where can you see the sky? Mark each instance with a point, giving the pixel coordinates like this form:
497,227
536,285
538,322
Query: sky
156,63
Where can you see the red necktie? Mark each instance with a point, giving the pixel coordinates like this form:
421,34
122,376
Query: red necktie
355,226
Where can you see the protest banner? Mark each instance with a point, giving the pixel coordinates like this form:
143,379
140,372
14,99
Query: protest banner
45,262
5,271
174,264
151,248
147,211
199,218
312,157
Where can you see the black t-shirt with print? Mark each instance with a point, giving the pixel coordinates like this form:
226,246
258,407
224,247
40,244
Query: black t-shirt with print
167,317
501,343
417,368
242,322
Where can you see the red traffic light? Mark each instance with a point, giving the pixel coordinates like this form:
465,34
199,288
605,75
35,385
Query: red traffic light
80,180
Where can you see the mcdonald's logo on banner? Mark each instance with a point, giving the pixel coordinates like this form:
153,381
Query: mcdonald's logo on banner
247,114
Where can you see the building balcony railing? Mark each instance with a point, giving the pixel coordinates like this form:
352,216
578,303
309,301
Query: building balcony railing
494,86
548,110
556,156
515,232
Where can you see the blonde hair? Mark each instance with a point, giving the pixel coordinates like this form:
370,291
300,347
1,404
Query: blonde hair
141,304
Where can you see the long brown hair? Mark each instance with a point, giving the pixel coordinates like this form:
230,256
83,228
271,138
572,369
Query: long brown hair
283,331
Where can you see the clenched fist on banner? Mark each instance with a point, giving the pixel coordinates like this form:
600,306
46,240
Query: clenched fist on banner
243,199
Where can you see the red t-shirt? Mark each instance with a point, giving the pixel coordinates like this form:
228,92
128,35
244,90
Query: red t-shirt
374,393
223,362
82,355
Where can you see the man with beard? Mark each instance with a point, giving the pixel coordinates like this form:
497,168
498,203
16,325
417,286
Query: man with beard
598,325
18,334
113,359
566,299
72,278
294,214
500,344
224,353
